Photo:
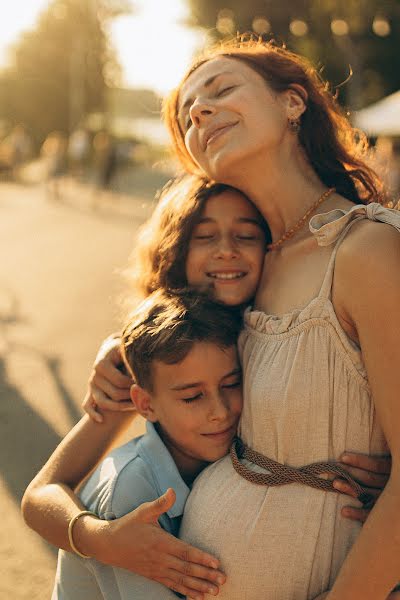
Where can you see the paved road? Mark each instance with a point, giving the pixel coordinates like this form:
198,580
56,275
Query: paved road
58,284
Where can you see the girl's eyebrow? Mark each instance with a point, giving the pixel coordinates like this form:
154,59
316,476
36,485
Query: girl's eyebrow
238,219
206,84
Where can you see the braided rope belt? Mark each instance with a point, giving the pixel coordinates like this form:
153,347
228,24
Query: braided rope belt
280,474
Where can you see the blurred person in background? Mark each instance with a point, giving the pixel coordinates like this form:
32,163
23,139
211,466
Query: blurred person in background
54,155
78,151
15,150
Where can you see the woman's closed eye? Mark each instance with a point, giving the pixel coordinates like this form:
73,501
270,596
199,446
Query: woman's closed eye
224,90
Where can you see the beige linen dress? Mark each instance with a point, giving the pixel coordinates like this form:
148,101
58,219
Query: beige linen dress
306,399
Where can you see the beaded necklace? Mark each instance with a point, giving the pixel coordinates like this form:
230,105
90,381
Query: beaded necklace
289,233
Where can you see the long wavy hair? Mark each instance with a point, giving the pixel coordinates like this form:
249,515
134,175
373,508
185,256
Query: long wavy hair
337,152
158,260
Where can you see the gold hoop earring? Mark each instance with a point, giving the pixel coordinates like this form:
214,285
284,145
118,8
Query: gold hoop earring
294,125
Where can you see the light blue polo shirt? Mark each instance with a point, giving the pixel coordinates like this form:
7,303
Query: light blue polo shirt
140,471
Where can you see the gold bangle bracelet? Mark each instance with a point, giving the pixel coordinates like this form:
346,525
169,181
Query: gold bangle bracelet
71,527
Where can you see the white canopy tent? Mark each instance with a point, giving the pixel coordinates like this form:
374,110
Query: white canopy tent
381,118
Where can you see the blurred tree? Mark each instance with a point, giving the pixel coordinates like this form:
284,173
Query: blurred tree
338,35
61,68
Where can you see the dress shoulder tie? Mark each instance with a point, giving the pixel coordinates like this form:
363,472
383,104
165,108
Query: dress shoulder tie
327,227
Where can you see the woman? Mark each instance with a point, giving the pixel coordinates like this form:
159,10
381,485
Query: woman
315,349
258,118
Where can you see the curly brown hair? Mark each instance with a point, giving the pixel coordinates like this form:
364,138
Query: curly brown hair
158,260
337,151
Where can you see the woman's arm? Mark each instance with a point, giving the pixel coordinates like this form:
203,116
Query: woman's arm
370,289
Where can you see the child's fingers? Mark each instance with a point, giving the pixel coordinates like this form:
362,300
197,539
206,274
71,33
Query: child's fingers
90,407
110,370
108,389
367,478
375,464
355,514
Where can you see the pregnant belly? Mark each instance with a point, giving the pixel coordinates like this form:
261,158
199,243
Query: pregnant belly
281,543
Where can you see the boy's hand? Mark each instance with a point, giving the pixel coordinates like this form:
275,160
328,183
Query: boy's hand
108,387
136,542
372,472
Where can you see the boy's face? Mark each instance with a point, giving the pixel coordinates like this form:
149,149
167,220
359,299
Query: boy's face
227,249
197,404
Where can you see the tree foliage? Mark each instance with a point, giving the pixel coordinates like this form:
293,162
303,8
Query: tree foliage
369,55
60,69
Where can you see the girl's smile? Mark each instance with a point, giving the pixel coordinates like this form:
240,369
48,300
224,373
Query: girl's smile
227,248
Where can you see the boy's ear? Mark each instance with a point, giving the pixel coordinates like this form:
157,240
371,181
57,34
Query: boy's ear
142,400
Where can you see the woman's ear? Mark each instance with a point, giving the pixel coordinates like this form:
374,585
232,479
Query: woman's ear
142,400
296,101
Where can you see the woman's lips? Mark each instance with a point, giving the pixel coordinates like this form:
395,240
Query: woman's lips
214,134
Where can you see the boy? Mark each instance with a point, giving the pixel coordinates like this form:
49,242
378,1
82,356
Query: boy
181,351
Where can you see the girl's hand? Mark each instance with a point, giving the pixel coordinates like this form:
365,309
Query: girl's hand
108,387
137,543
372,473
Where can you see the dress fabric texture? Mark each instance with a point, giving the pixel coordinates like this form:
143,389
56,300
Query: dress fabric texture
306,399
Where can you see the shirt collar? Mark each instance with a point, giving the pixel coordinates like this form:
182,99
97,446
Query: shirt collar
165,471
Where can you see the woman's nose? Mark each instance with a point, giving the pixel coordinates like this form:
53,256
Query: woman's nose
200,110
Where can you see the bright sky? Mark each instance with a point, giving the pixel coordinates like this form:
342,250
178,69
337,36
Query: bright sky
153,46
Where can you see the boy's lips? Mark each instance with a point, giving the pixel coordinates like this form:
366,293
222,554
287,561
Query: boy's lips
222,434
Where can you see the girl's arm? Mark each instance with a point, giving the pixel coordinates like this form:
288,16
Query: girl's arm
370,289
109,384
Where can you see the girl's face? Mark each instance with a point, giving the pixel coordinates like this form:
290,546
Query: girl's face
227,248
228,115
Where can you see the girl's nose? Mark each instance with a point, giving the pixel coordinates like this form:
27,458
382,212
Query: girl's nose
226,248
200,110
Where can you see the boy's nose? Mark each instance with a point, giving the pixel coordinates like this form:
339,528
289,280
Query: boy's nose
219,409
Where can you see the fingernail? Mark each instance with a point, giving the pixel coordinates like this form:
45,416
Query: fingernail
220,579
212,591
345,458
338,485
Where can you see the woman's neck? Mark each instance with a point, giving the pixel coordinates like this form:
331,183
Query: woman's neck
282,187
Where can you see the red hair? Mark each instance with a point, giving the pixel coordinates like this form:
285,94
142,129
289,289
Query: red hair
336,151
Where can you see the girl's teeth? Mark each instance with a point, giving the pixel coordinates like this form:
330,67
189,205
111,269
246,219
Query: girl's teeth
226,275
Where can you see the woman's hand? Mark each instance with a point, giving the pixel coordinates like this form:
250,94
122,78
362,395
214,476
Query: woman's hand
108,387
136,542
371,472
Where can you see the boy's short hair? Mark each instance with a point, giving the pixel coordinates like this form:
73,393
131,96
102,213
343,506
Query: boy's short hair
166,326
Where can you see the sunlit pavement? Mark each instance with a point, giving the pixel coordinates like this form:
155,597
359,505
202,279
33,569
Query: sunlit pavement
58,284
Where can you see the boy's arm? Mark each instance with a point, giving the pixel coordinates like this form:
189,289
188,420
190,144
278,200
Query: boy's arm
135,541
49,503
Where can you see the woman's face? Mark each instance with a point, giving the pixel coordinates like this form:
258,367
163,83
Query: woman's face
229,115
227,248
